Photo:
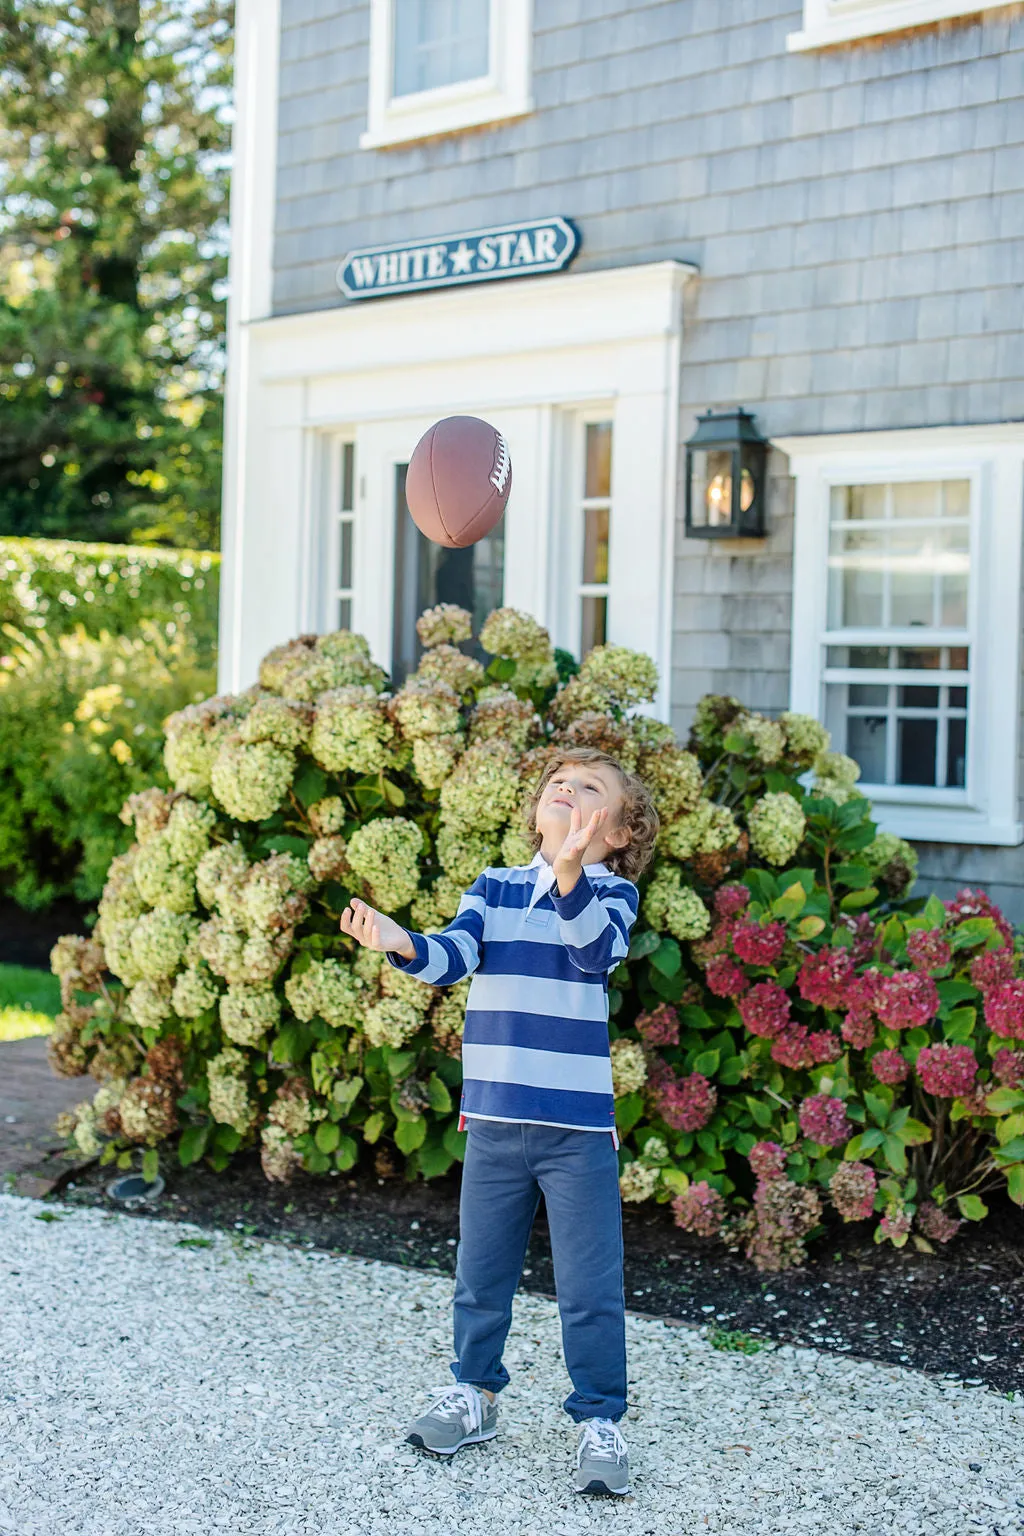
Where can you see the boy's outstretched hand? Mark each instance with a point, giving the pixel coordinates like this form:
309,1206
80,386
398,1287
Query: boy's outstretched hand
568,861
375,931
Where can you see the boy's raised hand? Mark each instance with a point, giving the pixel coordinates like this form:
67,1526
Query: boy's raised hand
568,861
374,930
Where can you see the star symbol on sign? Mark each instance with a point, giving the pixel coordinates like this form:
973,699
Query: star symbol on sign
462,258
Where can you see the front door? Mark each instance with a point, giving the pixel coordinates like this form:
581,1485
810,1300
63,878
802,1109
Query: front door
412,573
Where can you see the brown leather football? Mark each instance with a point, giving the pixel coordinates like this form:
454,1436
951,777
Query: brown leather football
458,481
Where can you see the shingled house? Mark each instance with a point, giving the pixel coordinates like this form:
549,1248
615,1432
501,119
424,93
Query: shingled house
595,223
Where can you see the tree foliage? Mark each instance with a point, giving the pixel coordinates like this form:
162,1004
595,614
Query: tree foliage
114,136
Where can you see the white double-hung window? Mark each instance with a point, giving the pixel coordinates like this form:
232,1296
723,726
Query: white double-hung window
907,577
438,66
827,22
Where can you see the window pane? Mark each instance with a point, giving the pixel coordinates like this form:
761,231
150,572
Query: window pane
912,564
345,613
345,561
865,742
348,467
915,753
956,752
958,698
872,694
918,660
599,459
855,588
956,498
439,42
595,623
919,698
595,545
857,502
921,498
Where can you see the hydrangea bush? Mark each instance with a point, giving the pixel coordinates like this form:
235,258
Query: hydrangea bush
792,1032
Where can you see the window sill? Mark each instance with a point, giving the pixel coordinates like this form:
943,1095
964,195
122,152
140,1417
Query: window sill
945,824
433,113
874,20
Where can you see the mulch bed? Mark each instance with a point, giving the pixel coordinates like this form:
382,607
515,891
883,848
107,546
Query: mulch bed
958,1312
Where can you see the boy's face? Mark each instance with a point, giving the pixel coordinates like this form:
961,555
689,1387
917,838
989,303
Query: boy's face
591,786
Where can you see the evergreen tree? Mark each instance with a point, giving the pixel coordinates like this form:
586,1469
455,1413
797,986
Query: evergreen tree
114,139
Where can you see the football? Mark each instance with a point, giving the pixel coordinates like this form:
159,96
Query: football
458,481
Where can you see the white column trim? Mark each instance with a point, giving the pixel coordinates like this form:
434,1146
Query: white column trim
250,291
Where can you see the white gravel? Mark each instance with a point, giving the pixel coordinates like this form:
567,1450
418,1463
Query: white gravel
243,1386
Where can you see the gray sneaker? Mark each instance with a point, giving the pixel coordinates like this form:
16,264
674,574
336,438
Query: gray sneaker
602,1465
461,1416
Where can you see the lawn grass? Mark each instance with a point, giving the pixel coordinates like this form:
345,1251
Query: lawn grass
29,1001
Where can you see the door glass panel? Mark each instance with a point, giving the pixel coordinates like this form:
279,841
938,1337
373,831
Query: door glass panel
427,574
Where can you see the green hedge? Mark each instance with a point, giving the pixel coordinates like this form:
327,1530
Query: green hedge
55,586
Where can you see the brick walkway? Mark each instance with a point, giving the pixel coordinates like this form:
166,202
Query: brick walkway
31,1098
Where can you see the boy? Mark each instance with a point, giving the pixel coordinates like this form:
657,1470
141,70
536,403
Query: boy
537,1101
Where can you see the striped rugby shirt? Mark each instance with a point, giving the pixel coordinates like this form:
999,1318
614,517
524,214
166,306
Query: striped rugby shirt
535,1045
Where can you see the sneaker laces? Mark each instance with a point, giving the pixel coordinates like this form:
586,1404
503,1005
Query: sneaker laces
462,1399
601,1440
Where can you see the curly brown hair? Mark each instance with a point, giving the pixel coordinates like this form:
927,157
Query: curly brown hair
638,812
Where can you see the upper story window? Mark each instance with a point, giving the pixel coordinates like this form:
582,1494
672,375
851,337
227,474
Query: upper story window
906,601
438,66
842,21
439,42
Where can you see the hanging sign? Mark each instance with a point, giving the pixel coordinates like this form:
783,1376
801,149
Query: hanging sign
477,256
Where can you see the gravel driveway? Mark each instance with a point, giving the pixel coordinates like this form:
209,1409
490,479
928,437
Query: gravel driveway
157,1379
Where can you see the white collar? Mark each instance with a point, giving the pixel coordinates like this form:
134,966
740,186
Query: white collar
546,876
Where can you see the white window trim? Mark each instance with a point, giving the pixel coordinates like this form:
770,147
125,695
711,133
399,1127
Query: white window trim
842,21
571,588
504,92
993,458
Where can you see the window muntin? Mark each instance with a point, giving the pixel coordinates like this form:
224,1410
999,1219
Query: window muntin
438,43
897,676
595,517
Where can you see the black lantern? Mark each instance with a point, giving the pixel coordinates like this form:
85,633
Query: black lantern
725,463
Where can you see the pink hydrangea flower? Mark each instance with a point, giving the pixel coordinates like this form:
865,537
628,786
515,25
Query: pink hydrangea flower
862,993
765,1009
1004,1009
948,1071
858,1030
928,950
935,1223
686,1103
863,930
717,942
968,903
823,1119
907,1000
724,977
792,1048
825,977
895,1222
989,969
730,899
824,1045
890,1067
660,1026
757,945
852,1188
1008,1067
767,1159
699,1209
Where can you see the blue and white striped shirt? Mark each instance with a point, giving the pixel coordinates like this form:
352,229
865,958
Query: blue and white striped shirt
535,1045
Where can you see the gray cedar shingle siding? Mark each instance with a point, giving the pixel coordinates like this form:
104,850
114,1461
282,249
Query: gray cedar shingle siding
856,215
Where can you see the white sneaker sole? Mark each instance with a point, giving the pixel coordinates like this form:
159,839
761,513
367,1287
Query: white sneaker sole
597,1486
449,1450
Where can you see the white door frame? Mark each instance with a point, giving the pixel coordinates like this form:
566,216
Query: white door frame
521,353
